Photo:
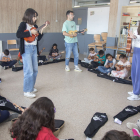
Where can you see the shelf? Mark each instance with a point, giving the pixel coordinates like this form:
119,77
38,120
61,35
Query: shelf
128,25
130,16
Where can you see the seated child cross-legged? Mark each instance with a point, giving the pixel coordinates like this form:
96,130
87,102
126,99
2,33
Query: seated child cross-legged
109,64
91,56
99,60
54,53
6,60
122,67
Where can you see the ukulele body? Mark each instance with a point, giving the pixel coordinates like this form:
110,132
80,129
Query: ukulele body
121,67
5,58
129,45
72,33
30,38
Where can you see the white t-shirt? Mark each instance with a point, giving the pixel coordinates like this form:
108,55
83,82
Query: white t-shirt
136,42
3,55
35,41
92,54
114,62
127,63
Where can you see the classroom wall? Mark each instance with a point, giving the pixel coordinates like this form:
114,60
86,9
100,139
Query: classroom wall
11,13
47,41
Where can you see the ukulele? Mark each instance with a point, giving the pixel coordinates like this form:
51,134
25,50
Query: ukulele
18,107
129,41
5,59
32,38
41,51
73,32
121,67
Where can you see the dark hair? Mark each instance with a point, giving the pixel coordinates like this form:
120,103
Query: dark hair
28,125
122,56
68,12
108,55
101,52
91,49
6,52
54,45
116,135
28,16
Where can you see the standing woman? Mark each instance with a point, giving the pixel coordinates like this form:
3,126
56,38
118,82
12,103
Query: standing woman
29,51
135,71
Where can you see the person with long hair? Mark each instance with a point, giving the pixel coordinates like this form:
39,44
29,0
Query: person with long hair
135,71
37,122
28,50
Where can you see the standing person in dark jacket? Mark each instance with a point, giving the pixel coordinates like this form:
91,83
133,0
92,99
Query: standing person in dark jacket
29,51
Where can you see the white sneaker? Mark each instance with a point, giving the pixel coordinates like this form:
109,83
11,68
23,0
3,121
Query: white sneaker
67,68
29,95
35,90
131,92
77,69
133,97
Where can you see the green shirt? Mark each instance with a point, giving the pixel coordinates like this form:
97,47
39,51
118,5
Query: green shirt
69,26
102,58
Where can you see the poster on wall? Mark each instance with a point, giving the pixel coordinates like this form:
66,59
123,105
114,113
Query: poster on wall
98,19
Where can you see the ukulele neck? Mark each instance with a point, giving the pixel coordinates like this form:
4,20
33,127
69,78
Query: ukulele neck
40,27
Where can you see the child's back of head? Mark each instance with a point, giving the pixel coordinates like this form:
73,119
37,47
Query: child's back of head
116,135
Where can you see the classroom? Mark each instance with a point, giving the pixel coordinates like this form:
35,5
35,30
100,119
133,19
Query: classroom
69,70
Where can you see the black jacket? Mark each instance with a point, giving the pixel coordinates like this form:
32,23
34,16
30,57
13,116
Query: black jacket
21,34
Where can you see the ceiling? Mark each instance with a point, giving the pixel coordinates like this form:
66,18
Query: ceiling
93,2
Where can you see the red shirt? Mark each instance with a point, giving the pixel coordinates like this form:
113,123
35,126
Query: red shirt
45,134
19,55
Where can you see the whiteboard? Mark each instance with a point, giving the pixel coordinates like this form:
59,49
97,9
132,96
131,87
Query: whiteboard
97,21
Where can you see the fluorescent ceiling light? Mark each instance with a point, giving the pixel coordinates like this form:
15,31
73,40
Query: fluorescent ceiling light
77,6
133,1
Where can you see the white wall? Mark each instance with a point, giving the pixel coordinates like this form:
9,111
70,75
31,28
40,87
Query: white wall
98,23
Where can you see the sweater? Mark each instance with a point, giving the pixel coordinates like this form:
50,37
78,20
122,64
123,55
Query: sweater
45,134
21,34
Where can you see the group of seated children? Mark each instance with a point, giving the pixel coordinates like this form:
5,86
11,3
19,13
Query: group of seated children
6,60
108,64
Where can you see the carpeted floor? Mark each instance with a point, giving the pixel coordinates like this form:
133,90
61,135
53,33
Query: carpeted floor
76,96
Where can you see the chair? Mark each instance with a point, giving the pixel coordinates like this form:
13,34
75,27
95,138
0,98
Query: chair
98,44
12,42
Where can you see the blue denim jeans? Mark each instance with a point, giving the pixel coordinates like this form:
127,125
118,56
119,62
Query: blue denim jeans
4,114
135,71
104,69
71,47
30,67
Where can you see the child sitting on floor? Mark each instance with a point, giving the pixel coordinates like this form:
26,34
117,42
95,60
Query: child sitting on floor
109,64
54,53
99,60
122,67
6,60
91,56
37,122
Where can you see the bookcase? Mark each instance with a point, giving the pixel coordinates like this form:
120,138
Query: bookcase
128,13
